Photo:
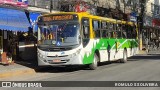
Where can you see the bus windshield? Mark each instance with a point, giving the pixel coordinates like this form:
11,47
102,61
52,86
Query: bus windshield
59,34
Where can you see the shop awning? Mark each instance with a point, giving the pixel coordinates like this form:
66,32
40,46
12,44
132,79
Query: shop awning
14,20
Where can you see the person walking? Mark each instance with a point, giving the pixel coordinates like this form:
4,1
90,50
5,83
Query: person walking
146,44
154,40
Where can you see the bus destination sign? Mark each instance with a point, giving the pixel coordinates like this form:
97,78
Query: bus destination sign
59,18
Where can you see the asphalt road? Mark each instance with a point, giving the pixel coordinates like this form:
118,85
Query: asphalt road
138,68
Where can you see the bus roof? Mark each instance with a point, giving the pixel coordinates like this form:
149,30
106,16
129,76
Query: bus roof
64,13
86,14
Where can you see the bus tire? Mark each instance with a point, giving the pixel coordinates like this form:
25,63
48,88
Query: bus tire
94,65
124,59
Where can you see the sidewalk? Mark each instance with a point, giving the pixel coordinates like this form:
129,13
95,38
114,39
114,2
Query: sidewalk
154,52
142,52
26,64
19,68
15,70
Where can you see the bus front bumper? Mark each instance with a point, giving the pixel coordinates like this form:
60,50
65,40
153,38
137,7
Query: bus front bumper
49,61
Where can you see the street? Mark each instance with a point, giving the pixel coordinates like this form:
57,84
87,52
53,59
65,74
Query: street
138,68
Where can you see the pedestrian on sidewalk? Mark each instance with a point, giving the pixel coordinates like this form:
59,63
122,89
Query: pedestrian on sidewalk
154,38
157,43
146,44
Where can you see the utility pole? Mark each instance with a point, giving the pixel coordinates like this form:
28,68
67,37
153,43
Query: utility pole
51,6
125,3
142,5
124,7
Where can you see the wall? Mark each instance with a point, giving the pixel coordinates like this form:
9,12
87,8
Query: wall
42,5
149,7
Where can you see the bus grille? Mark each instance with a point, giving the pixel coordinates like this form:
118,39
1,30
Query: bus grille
57,56
56,49
59,49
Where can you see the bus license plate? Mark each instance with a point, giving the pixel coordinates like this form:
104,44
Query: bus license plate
56,60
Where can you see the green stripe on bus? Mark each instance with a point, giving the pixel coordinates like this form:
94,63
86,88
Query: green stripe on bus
103,44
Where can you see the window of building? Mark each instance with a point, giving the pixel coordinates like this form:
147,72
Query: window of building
152,7
157,9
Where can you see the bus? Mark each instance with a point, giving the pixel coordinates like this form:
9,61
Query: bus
70,38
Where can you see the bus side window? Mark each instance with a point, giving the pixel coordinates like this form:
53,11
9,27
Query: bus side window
124,34
96,27
104,29
85,31
119,29
114,27
85,27
131,31
134,32
110,27
128,31
110,30
114,31
109,34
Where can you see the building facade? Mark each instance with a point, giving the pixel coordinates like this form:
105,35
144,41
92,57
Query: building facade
151,29
43,6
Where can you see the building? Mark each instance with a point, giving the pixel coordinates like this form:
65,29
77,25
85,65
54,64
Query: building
120,9
43,6
151,23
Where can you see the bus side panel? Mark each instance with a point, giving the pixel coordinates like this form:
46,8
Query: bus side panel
102,46
105,45
104,55
133,47
89,50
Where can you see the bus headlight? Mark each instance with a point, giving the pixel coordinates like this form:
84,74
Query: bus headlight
40,55
76,53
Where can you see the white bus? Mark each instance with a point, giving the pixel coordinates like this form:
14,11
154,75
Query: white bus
70,38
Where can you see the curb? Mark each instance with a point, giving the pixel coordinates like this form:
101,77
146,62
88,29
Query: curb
17,73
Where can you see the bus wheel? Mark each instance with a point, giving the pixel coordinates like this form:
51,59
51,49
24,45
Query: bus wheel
124,59
94,65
